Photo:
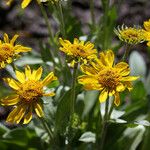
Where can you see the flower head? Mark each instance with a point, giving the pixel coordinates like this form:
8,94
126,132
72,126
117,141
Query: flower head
25,3
78,51
107,77
147,31
130,35
28,89
9,50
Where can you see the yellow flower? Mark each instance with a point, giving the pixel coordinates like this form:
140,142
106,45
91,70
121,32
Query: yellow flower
78,51
130,35
107,77
9,50
24,3
147,31
27,93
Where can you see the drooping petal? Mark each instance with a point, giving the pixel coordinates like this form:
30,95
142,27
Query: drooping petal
120,87
20,76
129,85
20,114
49,94
103,95
38,109
16,114
10,100
28,116
117,99
12,83
25,3
50,77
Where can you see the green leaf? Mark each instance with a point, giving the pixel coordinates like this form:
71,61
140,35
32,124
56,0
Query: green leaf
63,112
137,64
89,101
138,92
45,53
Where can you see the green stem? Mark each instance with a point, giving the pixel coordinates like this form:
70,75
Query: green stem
62,24
105,36
92,13
47,128
73,88
104,125
126,54
111,110
51,37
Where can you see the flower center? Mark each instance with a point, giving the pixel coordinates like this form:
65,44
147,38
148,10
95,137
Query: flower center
132,35
78,50
6,51
109,78
30,90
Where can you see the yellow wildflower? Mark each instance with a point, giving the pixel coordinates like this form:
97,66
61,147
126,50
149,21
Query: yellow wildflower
27,93
24,3
78,51
107,77
9,50
130,35
147,31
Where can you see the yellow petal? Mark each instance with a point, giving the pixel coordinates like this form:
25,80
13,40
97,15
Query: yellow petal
110,57
19,49
20,114
120,87
38,73
49,94
10,100
12,114
129,78
117,99
123,68
27,72
129,85
16,115
38,109
20,76
76,41
12,41
12,83
49,78
25,3
6,38
89,70
28,116
103,96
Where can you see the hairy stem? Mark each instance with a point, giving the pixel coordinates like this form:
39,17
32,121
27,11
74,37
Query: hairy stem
73,88
47,128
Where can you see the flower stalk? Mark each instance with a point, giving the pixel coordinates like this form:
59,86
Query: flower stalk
51,37
73,95
47,128
92,13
